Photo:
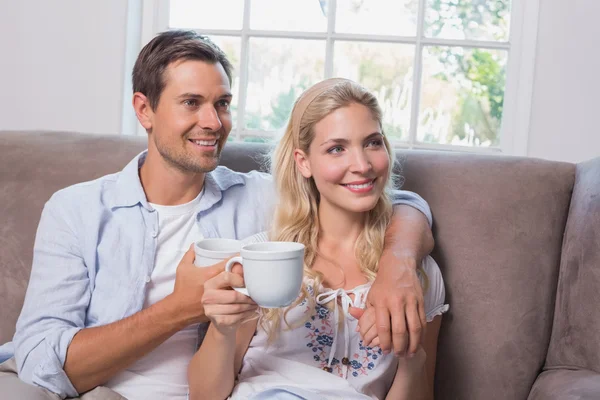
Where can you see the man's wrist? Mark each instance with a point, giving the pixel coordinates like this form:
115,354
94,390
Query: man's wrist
170,309
398,259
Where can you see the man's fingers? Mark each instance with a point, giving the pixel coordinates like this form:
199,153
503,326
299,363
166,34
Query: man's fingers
213,270
399,332
414,328
423,318
383,329
189,255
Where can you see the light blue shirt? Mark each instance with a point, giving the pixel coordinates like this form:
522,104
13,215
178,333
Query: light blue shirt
94,254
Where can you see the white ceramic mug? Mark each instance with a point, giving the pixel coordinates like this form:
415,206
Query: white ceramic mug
212,251
273,272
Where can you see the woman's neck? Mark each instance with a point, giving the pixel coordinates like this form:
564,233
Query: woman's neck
339,227
336,259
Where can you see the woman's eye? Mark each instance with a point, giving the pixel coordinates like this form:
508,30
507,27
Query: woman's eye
375,143
335,150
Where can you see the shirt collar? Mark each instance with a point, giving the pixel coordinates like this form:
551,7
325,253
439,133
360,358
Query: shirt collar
128,190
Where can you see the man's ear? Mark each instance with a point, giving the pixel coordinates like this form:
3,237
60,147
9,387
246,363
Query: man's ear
302,163
143,111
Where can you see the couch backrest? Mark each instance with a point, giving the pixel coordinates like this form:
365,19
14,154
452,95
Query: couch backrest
575,340
498,224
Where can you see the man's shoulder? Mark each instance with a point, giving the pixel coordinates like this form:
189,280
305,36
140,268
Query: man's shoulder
227,178
84,193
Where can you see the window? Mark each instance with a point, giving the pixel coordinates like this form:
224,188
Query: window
449,74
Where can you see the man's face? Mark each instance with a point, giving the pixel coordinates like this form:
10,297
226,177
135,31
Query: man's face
192,120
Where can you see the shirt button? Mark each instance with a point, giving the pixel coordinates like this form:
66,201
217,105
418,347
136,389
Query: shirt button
148,279
154,234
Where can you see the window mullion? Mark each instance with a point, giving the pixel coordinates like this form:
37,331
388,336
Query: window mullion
331,9
417,72
244,58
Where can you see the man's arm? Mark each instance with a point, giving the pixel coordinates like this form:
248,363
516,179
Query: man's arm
51,337
124,342
97,354
396,295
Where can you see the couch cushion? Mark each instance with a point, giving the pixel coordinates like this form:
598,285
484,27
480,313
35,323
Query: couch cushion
563,384
576,332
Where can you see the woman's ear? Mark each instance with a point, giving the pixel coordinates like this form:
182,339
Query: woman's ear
302,163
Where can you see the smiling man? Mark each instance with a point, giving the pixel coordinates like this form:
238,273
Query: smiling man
113,305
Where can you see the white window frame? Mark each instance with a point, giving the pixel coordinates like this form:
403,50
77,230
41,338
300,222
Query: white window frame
519,80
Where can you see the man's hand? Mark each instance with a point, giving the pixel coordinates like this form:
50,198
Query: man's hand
189,286
397,299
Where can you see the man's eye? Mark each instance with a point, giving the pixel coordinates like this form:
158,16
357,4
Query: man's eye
223,104
190,103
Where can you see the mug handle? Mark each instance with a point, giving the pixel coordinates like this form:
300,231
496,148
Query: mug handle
229,265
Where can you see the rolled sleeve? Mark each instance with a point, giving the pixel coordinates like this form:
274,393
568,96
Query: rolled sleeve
411,199
55,303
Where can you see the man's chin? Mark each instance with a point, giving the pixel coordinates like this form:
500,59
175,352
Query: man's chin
205,165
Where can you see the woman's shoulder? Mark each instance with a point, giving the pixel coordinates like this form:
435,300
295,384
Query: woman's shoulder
435,293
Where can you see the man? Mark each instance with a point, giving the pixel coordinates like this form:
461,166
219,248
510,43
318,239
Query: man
114,297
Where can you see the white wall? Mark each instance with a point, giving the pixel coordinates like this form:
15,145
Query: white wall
63,68
565,111
62,64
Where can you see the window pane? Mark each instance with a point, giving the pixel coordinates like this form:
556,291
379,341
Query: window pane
289,15
279,70
206,14
385,69
232,47
462,96
377,17
468,19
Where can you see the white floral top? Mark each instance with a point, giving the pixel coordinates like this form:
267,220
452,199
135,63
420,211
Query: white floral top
320,358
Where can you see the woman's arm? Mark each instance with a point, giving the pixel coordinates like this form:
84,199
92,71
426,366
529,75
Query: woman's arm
415,375
214,367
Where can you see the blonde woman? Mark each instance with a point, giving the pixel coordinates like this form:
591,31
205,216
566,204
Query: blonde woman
332,169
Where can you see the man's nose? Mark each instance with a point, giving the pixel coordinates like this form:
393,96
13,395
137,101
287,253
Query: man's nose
208,118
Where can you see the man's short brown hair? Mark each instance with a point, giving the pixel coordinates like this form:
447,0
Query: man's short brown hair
169,47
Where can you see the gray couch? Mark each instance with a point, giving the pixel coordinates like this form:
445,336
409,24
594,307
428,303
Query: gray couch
517,239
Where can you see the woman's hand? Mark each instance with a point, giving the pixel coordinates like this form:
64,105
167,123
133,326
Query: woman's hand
366,325
227,309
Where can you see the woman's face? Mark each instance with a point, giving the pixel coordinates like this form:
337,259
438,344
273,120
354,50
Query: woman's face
347,159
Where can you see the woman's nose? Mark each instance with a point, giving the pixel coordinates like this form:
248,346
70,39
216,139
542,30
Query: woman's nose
361,163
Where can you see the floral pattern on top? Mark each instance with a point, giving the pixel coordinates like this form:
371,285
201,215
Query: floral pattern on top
320,335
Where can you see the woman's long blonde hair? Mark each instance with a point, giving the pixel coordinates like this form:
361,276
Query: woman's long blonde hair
296,215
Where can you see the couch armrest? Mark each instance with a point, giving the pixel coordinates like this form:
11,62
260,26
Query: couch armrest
566,384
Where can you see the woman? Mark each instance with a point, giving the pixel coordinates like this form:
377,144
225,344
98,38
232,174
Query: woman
332,170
